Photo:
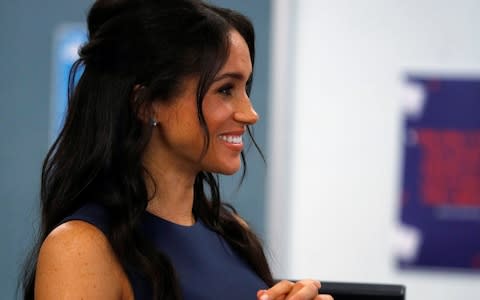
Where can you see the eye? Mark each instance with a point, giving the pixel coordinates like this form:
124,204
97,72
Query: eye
226,89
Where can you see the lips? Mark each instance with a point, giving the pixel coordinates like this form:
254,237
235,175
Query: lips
233,139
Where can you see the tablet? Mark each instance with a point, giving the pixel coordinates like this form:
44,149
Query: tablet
363,291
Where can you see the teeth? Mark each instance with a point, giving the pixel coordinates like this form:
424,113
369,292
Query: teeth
232,139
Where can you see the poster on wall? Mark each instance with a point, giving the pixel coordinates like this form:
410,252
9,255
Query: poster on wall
440,201
66,41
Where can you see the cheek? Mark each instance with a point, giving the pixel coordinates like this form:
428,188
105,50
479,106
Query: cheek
185,119
216,114
182,130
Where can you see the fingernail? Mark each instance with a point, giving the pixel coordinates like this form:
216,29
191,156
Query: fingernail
264,297
317,283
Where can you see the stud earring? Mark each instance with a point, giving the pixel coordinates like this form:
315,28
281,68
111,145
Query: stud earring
153,122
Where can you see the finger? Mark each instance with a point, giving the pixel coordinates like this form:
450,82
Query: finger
279,289
300,285
324,297
295,289
262,292
304,290
310,281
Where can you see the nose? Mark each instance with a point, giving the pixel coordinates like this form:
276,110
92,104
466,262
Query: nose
245,113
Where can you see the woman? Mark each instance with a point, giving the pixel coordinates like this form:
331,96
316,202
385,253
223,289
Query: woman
162,104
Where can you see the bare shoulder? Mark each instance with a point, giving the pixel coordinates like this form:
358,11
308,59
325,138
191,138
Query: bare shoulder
76,261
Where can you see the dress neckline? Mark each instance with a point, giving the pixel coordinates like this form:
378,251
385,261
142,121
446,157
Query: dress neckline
154,219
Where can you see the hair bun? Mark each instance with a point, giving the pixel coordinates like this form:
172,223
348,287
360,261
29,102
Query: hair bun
104,10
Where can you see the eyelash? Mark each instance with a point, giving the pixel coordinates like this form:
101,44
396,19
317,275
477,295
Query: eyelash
226,90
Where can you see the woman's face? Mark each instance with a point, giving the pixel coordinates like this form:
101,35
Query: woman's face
227,110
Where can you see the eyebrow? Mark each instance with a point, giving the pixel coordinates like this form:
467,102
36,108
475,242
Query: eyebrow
234,75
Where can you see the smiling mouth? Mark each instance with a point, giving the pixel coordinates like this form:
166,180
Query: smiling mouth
232,139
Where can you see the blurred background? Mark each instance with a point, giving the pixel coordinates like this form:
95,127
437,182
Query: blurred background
344,91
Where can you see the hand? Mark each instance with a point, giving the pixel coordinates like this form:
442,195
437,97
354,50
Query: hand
287,290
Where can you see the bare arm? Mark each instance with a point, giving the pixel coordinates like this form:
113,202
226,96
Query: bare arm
77,262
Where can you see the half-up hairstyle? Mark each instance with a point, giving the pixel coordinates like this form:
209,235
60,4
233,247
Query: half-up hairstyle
97,157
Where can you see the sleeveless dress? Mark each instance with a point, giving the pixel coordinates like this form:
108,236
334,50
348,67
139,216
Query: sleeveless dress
206,265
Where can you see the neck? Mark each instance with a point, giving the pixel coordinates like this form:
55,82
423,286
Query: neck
170,190
174,205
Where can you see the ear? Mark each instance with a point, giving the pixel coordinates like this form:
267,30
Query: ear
159,111
144,109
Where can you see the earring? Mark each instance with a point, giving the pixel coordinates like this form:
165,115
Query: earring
153,122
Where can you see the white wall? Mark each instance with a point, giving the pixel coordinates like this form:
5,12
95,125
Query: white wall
334,207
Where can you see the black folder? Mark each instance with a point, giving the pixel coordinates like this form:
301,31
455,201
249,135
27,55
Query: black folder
363,291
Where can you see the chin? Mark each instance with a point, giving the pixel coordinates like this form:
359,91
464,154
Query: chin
226,169
229,172
222,165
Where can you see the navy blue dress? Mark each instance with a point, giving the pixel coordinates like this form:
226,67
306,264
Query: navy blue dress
206,265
